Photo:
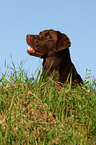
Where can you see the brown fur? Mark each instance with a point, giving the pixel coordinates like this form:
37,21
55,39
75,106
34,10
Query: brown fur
53,47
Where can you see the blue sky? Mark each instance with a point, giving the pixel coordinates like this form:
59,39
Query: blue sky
75,18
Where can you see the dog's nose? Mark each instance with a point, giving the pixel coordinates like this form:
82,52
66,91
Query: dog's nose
27,36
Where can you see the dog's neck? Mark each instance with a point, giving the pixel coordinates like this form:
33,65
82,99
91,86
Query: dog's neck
59,58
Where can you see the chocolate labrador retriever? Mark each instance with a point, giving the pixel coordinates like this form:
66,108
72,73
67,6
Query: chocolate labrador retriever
53,47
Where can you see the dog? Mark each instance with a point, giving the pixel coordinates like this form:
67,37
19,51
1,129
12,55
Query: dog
53,47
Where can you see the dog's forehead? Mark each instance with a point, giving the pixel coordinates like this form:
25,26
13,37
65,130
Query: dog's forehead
51,32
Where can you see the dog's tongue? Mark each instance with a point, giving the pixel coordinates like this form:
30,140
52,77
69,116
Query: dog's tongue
31,51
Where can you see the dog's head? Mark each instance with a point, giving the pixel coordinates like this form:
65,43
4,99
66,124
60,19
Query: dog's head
47,43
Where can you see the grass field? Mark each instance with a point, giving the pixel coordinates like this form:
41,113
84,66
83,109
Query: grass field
44,112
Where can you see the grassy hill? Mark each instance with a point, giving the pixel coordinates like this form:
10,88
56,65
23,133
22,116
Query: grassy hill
45,112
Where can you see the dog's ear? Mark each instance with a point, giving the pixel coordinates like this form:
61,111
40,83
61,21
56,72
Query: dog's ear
63,42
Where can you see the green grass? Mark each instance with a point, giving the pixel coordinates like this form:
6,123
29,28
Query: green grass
44,112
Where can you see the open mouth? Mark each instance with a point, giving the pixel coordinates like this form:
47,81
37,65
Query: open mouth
31,51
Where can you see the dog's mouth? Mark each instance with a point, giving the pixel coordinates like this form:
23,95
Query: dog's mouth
31,51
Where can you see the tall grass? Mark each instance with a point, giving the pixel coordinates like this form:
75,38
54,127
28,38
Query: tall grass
44,112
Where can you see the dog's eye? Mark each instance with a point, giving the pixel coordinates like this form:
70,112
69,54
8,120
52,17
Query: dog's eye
46,36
